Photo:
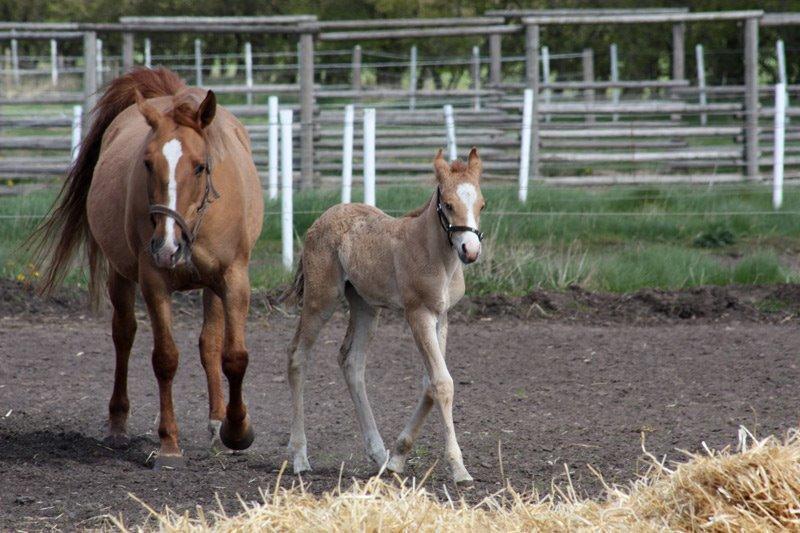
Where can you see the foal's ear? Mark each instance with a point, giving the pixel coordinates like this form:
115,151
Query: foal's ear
150,113
474,163
440,167
207,109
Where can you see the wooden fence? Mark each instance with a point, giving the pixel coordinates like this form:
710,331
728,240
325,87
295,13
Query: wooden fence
583,131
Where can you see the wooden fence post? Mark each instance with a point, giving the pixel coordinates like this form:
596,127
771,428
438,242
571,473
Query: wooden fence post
306,110
495,59
412,79
476,77
777,155
54,62
198,62
89,75
355,76
127,51
347,154
614,77
588,76
248,70
532,82
148,56
751,96
15,61
287,216
679,51
701,81
369,156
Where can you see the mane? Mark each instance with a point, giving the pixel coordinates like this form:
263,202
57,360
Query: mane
458,166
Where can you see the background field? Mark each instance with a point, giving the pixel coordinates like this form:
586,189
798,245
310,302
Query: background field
611,239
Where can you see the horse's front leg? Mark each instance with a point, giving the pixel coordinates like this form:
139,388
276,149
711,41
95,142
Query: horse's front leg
165,365
236,432
211,338
423,326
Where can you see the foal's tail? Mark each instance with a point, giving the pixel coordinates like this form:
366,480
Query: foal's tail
294,294
66,226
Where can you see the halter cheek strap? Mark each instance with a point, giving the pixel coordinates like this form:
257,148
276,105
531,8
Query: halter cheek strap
189,235
448,228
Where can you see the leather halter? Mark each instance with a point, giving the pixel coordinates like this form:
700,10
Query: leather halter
449,229
189,235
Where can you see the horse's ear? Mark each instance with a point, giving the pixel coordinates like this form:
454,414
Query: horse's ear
207,109
440,166
474,163
150,113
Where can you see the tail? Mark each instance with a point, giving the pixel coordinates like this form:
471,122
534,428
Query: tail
66,227
294,294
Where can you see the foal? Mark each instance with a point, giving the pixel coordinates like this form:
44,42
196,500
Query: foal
412,263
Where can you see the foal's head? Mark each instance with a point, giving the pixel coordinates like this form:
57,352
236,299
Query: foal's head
176,160
460,203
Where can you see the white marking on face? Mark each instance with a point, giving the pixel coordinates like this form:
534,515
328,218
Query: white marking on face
172,152
468,195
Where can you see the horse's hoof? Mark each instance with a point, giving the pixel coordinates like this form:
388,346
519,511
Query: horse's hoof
396,465
237,441
465,482
168,462
301,465
117,441
215,442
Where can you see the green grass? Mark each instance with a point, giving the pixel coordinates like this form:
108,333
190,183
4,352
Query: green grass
617,239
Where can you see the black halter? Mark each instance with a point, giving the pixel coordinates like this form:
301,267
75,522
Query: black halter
449,229
189,235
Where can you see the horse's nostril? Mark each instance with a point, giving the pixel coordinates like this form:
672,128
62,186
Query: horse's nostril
155,245
464,247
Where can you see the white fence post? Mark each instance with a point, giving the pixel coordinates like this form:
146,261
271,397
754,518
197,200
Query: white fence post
780,54
198,62
148,57
546,76
450,126
99,62
272,127
412,79
347,154
248,70
615,92
15,60
287,219
780,128
369,156
525,147
476,77
701,80
53,62
77,121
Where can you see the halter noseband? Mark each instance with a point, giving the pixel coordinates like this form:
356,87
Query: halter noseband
189,235
449,229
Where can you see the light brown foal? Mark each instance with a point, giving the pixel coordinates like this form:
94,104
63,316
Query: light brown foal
165,194
412,263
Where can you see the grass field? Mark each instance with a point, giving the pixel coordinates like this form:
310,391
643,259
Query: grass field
616,239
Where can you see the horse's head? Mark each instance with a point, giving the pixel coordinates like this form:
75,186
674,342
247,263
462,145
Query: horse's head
460,202
179,187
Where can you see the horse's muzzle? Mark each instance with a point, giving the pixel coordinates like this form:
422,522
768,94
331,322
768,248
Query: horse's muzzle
165,255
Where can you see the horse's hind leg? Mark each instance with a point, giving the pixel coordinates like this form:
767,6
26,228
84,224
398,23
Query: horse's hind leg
211,356
122,293
319,302
353,361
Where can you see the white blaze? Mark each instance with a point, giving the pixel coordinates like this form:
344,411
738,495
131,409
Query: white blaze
468,195
172,152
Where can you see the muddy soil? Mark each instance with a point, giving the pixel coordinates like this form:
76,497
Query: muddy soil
549,379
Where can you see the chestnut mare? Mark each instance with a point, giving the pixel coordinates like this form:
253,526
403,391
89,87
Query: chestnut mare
159,159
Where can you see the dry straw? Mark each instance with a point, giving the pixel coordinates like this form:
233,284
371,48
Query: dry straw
753,488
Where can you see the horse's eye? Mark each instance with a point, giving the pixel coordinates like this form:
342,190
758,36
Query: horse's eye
449,207
148,165
483,207
199,169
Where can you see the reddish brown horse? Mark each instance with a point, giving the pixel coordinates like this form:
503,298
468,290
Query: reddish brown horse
164,194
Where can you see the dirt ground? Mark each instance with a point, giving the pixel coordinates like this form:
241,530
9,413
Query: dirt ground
549,379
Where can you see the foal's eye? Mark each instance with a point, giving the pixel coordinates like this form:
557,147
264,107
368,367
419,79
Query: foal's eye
483,206
199,169
148,165
449,207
